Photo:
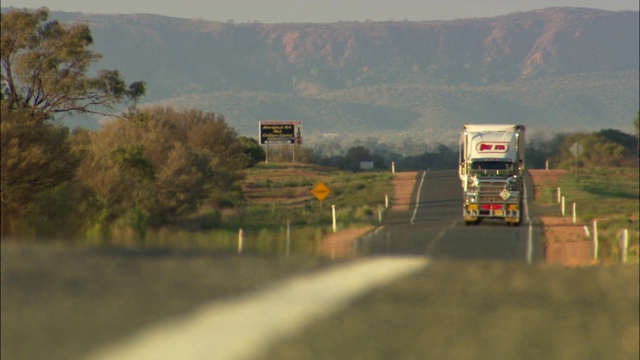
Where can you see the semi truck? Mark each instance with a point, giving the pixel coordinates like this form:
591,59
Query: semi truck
491,170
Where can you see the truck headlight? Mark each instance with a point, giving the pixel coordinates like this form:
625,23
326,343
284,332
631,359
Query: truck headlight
473,183
511,184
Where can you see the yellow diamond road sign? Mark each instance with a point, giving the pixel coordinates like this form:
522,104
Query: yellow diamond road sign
321,191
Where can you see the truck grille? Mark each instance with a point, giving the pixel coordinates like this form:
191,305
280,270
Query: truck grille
489,192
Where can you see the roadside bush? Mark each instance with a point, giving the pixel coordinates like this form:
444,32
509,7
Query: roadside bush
160,165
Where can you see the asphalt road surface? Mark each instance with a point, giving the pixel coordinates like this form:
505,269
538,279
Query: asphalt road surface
458,292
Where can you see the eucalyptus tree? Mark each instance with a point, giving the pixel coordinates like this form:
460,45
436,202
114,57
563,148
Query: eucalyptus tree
44,67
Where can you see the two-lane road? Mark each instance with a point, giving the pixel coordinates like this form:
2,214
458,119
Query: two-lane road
433,226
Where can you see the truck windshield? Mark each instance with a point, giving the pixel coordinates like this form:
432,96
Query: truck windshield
491,168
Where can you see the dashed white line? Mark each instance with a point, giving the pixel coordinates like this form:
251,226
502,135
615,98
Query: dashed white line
530,235
415,211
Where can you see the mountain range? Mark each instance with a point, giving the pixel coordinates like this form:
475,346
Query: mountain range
400,83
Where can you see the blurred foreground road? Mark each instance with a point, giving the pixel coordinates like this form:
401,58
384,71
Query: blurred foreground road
483,293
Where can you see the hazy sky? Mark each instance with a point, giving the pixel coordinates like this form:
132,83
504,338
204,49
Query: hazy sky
274,11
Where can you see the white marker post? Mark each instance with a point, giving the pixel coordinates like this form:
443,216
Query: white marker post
574,213
625,245
595,239
333,214
240,240
559,195
288,237
386,201
562,206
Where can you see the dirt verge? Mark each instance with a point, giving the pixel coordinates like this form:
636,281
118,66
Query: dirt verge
340,244
566,243
403,185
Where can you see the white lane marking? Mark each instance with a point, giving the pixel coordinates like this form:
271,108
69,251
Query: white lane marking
439,237
530,245
243,328
530,235
526,202
415,211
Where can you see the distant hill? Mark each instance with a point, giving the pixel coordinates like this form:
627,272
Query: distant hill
556,69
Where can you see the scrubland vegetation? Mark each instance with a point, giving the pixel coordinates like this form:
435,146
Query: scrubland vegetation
608,196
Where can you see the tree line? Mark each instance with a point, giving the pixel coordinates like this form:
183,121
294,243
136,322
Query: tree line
603,148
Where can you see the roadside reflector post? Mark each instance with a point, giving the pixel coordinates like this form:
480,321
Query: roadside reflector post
562,206
288,237
386,201
595,239
546,165
240,240
574,213
379,214
393,167
559,195
333,215
625,245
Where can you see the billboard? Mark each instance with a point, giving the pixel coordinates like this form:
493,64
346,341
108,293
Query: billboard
280,132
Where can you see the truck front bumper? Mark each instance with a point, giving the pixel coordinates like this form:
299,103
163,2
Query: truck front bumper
510,212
